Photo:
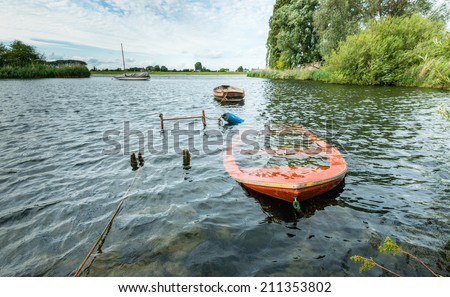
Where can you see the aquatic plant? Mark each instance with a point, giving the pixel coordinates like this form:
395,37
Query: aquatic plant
387,247
300,74
443,112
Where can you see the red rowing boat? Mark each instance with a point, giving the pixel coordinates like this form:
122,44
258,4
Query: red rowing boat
296,178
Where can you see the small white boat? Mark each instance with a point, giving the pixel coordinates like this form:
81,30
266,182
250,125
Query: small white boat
143,75
133,76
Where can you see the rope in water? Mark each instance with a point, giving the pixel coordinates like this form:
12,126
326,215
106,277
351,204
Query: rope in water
108,225
212,118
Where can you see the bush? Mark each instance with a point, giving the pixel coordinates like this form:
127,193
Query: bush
407,51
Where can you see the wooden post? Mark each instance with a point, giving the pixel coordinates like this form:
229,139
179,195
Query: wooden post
133,162
162,121
203,119
186,159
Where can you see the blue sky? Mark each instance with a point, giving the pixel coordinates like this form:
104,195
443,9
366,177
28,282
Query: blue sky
173,33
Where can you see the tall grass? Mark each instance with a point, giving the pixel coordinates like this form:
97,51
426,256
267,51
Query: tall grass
433,72
300,74
43,71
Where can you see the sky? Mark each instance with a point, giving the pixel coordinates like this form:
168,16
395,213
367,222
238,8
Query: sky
173,33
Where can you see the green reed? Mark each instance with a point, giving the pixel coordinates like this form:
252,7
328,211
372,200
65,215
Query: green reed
43,71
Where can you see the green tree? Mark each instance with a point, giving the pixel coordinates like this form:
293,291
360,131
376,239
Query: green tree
335,20
393,8
21,54
390,51
441,12
198,66
292,38
240,69
67,63
164,69
3,53
156,68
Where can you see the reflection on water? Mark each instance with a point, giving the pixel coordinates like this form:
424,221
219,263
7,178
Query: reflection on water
58,187
279,211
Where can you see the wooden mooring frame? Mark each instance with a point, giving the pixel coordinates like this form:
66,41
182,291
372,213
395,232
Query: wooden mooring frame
203,117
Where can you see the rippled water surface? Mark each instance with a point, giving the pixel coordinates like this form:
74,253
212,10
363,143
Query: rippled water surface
65,167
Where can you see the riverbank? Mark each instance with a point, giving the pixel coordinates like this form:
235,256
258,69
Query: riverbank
409,51
300,74
115,72
424,78
43,71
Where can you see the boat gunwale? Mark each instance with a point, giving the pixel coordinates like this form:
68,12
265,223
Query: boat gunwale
292,186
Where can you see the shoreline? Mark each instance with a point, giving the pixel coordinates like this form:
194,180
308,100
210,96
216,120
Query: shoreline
108,73
325,76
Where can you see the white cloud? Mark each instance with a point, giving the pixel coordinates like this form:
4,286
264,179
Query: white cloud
170,32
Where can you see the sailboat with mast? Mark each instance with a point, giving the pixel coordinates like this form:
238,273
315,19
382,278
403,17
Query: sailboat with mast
143,75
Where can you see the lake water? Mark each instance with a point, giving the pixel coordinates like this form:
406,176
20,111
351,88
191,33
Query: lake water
65,150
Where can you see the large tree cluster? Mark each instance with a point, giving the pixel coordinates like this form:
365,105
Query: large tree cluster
304,31
19,54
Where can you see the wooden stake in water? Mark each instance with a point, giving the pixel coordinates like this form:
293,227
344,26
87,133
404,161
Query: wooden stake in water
186,159
133,162
203,119
162,121
141,160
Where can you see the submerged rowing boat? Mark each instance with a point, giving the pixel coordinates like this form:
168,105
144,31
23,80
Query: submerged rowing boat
289,174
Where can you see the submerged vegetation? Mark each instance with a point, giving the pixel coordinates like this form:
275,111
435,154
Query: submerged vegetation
21,61
367,42
387,247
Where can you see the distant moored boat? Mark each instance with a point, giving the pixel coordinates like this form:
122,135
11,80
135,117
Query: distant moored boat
133,76
143,75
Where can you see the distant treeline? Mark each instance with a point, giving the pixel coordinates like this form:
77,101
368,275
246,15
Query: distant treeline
370,42
21,61
156,68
